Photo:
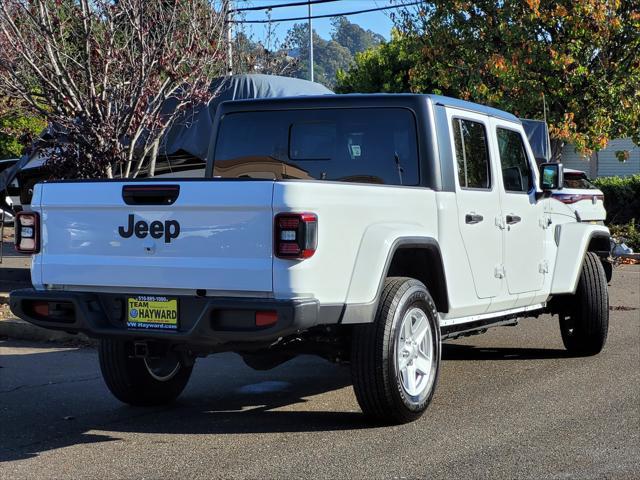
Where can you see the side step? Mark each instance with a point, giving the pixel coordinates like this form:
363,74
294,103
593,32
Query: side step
475,328
462,327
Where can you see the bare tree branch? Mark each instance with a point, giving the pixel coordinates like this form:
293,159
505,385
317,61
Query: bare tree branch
111,76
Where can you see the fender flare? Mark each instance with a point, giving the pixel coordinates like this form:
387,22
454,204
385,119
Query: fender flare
364,312
573,241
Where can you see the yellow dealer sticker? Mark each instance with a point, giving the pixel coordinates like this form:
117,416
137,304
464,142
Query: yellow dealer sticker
152,312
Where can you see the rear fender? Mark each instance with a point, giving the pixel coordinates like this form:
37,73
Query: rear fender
373,263
574,240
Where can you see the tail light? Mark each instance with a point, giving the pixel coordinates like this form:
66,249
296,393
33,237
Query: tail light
27,232
296,235
567,198
573,198
266,318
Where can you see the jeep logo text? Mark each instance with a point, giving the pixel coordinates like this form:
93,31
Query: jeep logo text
170,229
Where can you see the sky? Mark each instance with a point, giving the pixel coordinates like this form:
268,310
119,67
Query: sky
378,22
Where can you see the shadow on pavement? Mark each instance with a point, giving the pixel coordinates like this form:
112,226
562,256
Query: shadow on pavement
470,352
55,399
223,397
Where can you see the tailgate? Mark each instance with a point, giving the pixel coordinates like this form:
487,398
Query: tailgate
216,235
590,209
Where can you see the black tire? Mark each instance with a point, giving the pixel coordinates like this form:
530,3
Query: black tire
584,322
131,381
377,381
608,269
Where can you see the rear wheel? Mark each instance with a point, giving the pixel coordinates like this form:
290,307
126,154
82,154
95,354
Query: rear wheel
395,360
147,381
584,320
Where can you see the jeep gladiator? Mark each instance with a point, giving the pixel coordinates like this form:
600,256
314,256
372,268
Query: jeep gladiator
362,228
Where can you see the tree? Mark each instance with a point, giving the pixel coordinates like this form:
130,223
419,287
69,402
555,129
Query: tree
108,76
352,36
580,55
330,56
385,68
269,56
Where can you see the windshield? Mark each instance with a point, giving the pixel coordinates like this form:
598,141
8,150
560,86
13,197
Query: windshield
373,145
577,180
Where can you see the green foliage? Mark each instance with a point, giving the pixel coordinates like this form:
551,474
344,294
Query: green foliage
622,201
385,68
581,55
16,132
621,198
353,37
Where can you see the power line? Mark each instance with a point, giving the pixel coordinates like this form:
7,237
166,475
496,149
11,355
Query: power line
344,14
280,5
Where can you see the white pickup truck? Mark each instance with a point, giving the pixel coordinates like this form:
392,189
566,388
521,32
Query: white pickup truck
364,228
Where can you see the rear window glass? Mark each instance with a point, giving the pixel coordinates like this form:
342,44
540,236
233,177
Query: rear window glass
376,145
577,180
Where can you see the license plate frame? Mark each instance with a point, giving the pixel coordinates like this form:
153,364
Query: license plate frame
153,312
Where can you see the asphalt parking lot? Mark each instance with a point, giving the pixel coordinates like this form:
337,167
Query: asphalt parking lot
510,404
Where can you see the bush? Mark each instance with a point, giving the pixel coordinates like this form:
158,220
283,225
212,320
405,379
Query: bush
16,132
629,234
621,198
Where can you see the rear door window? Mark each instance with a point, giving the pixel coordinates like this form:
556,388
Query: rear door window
472,154
372,145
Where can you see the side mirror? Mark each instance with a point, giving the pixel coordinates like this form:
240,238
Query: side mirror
551,176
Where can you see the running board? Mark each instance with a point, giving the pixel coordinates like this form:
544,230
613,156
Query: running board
464,326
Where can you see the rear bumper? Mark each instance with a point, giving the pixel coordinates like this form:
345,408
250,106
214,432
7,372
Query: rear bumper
221,323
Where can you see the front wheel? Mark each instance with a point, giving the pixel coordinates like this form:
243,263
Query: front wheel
148,381
584,320
395,360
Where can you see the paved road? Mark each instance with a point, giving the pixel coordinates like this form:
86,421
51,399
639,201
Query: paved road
509,404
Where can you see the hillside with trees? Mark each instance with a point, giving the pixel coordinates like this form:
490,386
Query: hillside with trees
291,56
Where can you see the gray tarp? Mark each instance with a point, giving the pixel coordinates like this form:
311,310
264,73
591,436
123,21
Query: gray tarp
192,132
538,135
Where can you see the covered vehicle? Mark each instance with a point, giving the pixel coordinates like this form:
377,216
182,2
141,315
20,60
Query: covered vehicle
582,196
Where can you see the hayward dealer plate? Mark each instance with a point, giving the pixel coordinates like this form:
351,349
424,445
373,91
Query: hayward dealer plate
151,312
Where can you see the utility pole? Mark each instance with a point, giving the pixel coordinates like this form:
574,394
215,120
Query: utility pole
310,44
228,18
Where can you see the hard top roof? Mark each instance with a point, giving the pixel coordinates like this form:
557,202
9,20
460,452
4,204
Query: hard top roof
360,100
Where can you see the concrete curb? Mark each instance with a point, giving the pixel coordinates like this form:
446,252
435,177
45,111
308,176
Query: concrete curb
17,329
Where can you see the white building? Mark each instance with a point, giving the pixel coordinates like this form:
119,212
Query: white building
605,163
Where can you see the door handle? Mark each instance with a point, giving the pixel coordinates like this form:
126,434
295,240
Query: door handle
150,194
511,219
472,218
